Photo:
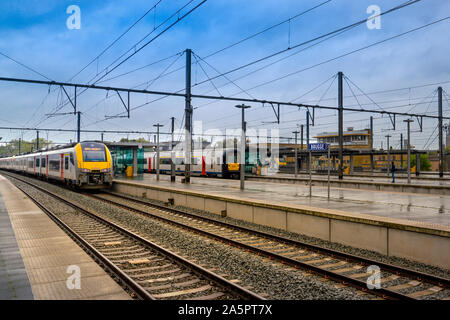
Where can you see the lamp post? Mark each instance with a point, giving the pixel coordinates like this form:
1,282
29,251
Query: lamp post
296,154
408,121
242,161
157,149
388,155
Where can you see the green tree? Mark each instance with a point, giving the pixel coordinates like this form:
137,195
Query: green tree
140,140
12,147
425,164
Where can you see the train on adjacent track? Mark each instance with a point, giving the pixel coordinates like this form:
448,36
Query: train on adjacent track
85,165
223,163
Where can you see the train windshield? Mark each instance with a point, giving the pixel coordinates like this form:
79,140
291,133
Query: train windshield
93,152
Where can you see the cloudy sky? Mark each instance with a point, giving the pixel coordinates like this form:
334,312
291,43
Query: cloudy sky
401,74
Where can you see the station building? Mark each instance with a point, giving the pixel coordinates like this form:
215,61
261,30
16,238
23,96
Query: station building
360,140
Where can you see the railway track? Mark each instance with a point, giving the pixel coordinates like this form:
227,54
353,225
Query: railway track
144,268
349,270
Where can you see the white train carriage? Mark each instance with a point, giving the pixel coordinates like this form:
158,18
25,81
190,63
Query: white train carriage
212,162
86,164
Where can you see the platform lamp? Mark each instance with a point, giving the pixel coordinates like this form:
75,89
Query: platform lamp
242,162
408,121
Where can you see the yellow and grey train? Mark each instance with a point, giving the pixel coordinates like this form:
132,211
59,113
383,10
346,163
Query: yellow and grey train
85,165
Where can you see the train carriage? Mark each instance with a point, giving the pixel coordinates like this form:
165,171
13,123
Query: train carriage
211,162
85,165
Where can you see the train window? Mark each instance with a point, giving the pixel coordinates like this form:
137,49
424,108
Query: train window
165,161
71,159
43,163
93,152
37,162
30,163
66,163
54,165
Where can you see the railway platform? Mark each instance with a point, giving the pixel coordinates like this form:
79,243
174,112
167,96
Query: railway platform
406,225
40,261
428,208
400,178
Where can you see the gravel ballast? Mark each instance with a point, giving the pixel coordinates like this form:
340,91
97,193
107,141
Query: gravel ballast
261,275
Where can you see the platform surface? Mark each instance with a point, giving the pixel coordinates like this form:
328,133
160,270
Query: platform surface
400,178
35,255
432,209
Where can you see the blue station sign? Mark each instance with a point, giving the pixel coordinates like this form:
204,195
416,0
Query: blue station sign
317,147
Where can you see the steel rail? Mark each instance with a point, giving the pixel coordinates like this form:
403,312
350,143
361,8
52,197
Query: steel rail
112,268
361,285
334,253
229,286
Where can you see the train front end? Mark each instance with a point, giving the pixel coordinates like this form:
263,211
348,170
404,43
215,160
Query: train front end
94,165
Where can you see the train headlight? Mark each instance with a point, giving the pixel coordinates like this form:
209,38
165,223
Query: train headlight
105,170
85,170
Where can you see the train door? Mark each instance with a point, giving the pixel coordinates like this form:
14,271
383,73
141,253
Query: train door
61,165
203,166
66,166
69,166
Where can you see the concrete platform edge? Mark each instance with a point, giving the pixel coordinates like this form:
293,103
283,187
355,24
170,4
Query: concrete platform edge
413,240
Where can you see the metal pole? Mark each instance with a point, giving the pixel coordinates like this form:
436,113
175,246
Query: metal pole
157,149
37,140
307,138
371,144
20,146
340,125
172,162
102,136
296,155
78,125
401,148
441,142
310,176
188,120
242,161
388,155
408,121
301,141
329,164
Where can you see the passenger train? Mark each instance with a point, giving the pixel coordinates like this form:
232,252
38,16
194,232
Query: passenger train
212,162
85,165
224,163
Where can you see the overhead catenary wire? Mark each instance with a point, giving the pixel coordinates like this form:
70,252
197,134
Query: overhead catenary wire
107,70
116,40
360,22
346,54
